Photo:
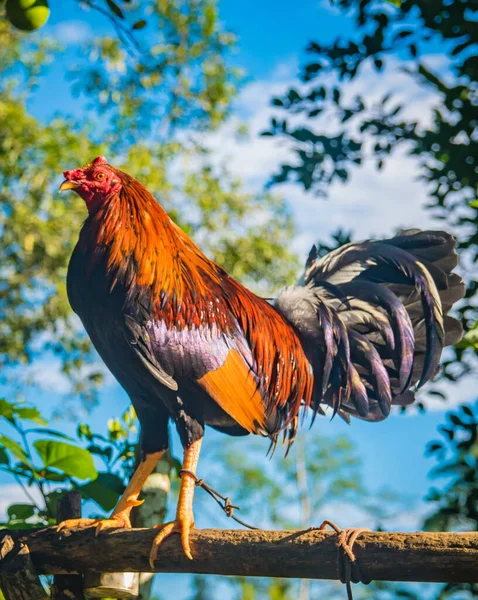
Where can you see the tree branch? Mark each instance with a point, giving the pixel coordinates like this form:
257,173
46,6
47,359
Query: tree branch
434,557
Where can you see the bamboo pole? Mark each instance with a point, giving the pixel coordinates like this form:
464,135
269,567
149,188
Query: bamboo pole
432,557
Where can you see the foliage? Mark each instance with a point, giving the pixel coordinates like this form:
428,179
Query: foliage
145,103
173,72
246,233
289,492
53,462
456,505
386,34
167,61
332,132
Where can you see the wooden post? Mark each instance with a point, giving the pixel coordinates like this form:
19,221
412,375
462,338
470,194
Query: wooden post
68,587
381,556
18,578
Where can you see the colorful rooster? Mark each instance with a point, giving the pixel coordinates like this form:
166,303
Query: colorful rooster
364,326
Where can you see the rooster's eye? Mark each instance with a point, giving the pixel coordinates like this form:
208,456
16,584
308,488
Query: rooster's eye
100,176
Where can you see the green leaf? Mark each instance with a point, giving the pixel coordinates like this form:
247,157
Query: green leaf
115,9
395,2
95,449
9,411
141,24
20,525
50,475
104,490
84,430
6,409
14,448
3,457
71,460
20,512
51,500
31,413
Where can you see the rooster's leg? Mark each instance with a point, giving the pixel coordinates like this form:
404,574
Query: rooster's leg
120,515
184,521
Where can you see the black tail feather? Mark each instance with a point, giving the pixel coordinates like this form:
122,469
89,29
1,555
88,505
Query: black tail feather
381,323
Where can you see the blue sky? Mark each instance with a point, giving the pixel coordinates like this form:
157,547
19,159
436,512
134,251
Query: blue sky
272,37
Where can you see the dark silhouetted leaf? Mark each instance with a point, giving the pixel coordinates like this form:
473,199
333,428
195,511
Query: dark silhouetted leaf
104,490
141,24
115,9
20,512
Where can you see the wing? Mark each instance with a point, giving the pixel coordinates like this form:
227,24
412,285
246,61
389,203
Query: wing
249,360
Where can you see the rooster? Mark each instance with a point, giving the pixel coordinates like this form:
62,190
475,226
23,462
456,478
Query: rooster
362,330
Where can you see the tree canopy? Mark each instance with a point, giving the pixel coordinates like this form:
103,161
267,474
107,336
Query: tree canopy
333,132
122,87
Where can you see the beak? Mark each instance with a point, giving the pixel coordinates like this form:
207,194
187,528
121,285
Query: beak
68,185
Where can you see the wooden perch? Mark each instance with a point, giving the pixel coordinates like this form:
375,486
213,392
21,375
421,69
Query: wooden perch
18,578
433,557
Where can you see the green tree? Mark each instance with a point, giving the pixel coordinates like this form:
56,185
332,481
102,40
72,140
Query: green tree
454,503
443,143
39,228
46,462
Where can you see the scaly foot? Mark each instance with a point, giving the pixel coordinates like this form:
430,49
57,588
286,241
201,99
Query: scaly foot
120,520
181,526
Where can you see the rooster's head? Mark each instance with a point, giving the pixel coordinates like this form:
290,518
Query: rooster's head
96,183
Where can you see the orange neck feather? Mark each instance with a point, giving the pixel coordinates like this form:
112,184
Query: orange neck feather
133,226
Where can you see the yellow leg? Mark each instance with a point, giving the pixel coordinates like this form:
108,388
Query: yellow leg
184,521
120,517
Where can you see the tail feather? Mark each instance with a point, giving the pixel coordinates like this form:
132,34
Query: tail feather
372,319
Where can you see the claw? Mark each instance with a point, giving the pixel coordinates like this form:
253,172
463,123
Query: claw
115,521
135,503
120,520
69,523
183,527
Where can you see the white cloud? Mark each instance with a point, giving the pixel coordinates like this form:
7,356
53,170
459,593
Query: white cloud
372,203
253,158
12,493
47,374
71,33
463,391
346,514
329,6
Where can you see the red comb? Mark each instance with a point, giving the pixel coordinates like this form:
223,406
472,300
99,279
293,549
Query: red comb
99,160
